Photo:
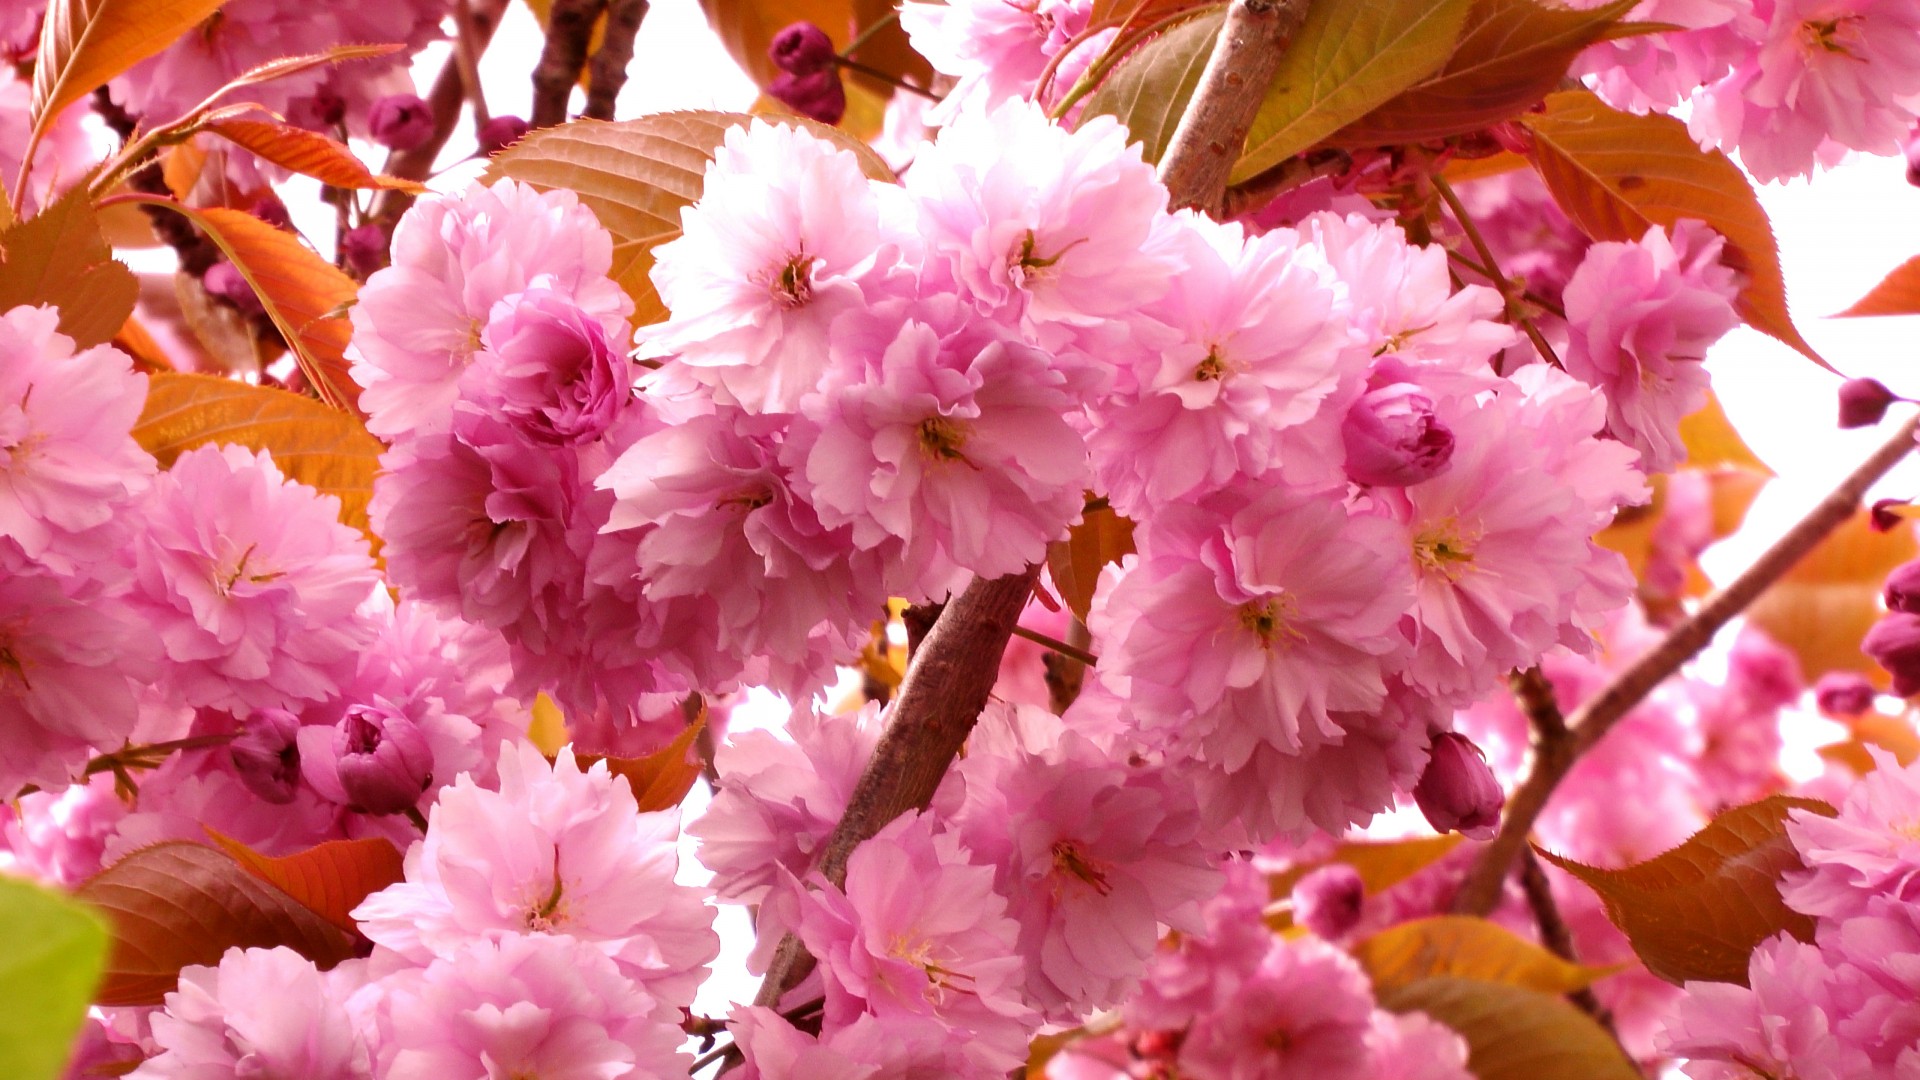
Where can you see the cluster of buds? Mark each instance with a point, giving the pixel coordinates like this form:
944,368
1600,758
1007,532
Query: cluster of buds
809,79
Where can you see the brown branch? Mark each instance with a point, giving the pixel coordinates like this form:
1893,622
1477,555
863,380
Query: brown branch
569,30
1592,720
1509,292
466,53
1556,937
1213,130
1252,196
608,72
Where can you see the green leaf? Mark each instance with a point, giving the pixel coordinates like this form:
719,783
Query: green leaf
1346,60
1698,911
1102,537
84,43
1514,1033
1469,948
52,950
1149,89
58,257
1617,174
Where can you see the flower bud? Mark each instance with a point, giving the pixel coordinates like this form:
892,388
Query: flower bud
802,49
501,132
323,108
400,122
1913,161
265,756
1863,402
1327,901
384,762
1458,791
1844,694
1903,588
223,280
817,96
1392,438
270,209
1894,644
365,249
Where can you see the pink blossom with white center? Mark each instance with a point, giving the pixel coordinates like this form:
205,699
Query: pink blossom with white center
261,1012
1640,317
1093,855
997,49
1306,1010
550,369
919,932
1822,75
250,582
1655,72
532,1005
555,851
1871,849
1414,1046
67,462
953,448
1781,1024
419,322
1259,343
788,235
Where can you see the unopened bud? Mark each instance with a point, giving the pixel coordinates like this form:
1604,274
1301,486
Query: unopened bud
384,762
325,107
500,132
265,756
802,49
1392,438
1894,644
1458,791
400,122
1844,694
1863,402
1913,162
1327,901
223,280
1903,588
270,209
365,249
816,96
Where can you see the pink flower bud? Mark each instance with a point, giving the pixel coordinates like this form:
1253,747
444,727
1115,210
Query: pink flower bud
266,757
365,249
550,370
1913,162
1894,644
1883,517
325,107
1458,791
1844,694
1393,439
223,280
400,122
270,209
1903,588
384,762
1863,402
1328,900
501,132
802,49
816,96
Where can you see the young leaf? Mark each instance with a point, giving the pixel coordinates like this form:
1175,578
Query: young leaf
58,257
84,43
51,953
1075,563
323,448
635,175
1893,734
1514,1033
1468,948
1510,54
1698,911
308,153
1617,174
661,779
329,879
178,903
1346,60
1898,294
1149,89
1823,606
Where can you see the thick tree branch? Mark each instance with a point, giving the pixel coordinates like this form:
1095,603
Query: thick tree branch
1592,720
608,72
1213,130
569,30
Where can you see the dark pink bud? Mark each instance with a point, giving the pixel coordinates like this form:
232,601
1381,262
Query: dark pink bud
1392,438
1913,162
1844,694
802,49
1894,644
501,132
227,283
1762,672
1458,791
266,757
400,122
1863,402
270,209
384,762
816,96
1328,900
1883,517
1903,588
323,108
365,249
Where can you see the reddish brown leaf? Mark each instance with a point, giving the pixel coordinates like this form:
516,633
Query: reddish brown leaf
1075,563
1899,294
178,903
330,879
663,778
58,257
308,153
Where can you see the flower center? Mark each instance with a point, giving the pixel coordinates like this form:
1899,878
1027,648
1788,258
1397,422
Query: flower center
224,583
747,500
1825,35
1443,549
1028,265
12,668
793,287
1397,341
1269,617
546,917
918,952
1068,858
941,438
1211,369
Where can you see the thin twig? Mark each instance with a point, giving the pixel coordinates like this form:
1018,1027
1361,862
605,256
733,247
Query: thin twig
1592,720
1048,641
1253,195
608,73
891,80
1508,292
444,100
569,30
1213,130
1556,937
1528,295
1065,675
466,53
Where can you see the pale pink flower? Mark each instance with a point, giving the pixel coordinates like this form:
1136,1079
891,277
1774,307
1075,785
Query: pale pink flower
1872,849
1306,1010
1654,72
250,582
66,151
550,368
996,48
1414,1046
1641,316
1533,239
1880,951
555,851
1781,1024
893,1047
59,836
261,1012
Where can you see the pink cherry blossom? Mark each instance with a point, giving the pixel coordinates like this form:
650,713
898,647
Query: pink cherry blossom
1658,71
1414,1046
261,1012
1781,1024
1305,1010
59,837
996,49
1869,850
550,368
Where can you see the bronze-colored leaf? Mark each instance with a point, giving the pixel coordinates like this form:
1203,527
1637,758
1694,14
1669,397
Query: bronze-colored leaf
1464,947
308,153
58,257
1830,599
84,43
661,779
1149,89
1897,294
1102,537
328,879
1514,1033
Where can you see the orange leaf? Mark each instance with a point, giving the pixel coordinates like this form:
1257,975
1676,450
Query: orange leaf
308,153
1823,606
1899,294
58,257
84,43
329,879
663,778
1075,563
178,903
1617,174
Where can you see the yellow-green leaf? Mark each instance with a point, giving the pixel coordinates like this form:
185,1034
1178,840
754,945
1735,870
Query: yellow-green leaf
1617,174
1697,912
1149,89
1712,442
1346,60
1102,537
324,448
52,950
1514,1033
58,257
1823,606
84,43
1469,948
308,153
1897,294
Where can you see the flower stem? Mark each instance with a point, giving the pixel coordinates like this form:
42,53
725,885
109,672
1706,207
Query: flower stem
1490,267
